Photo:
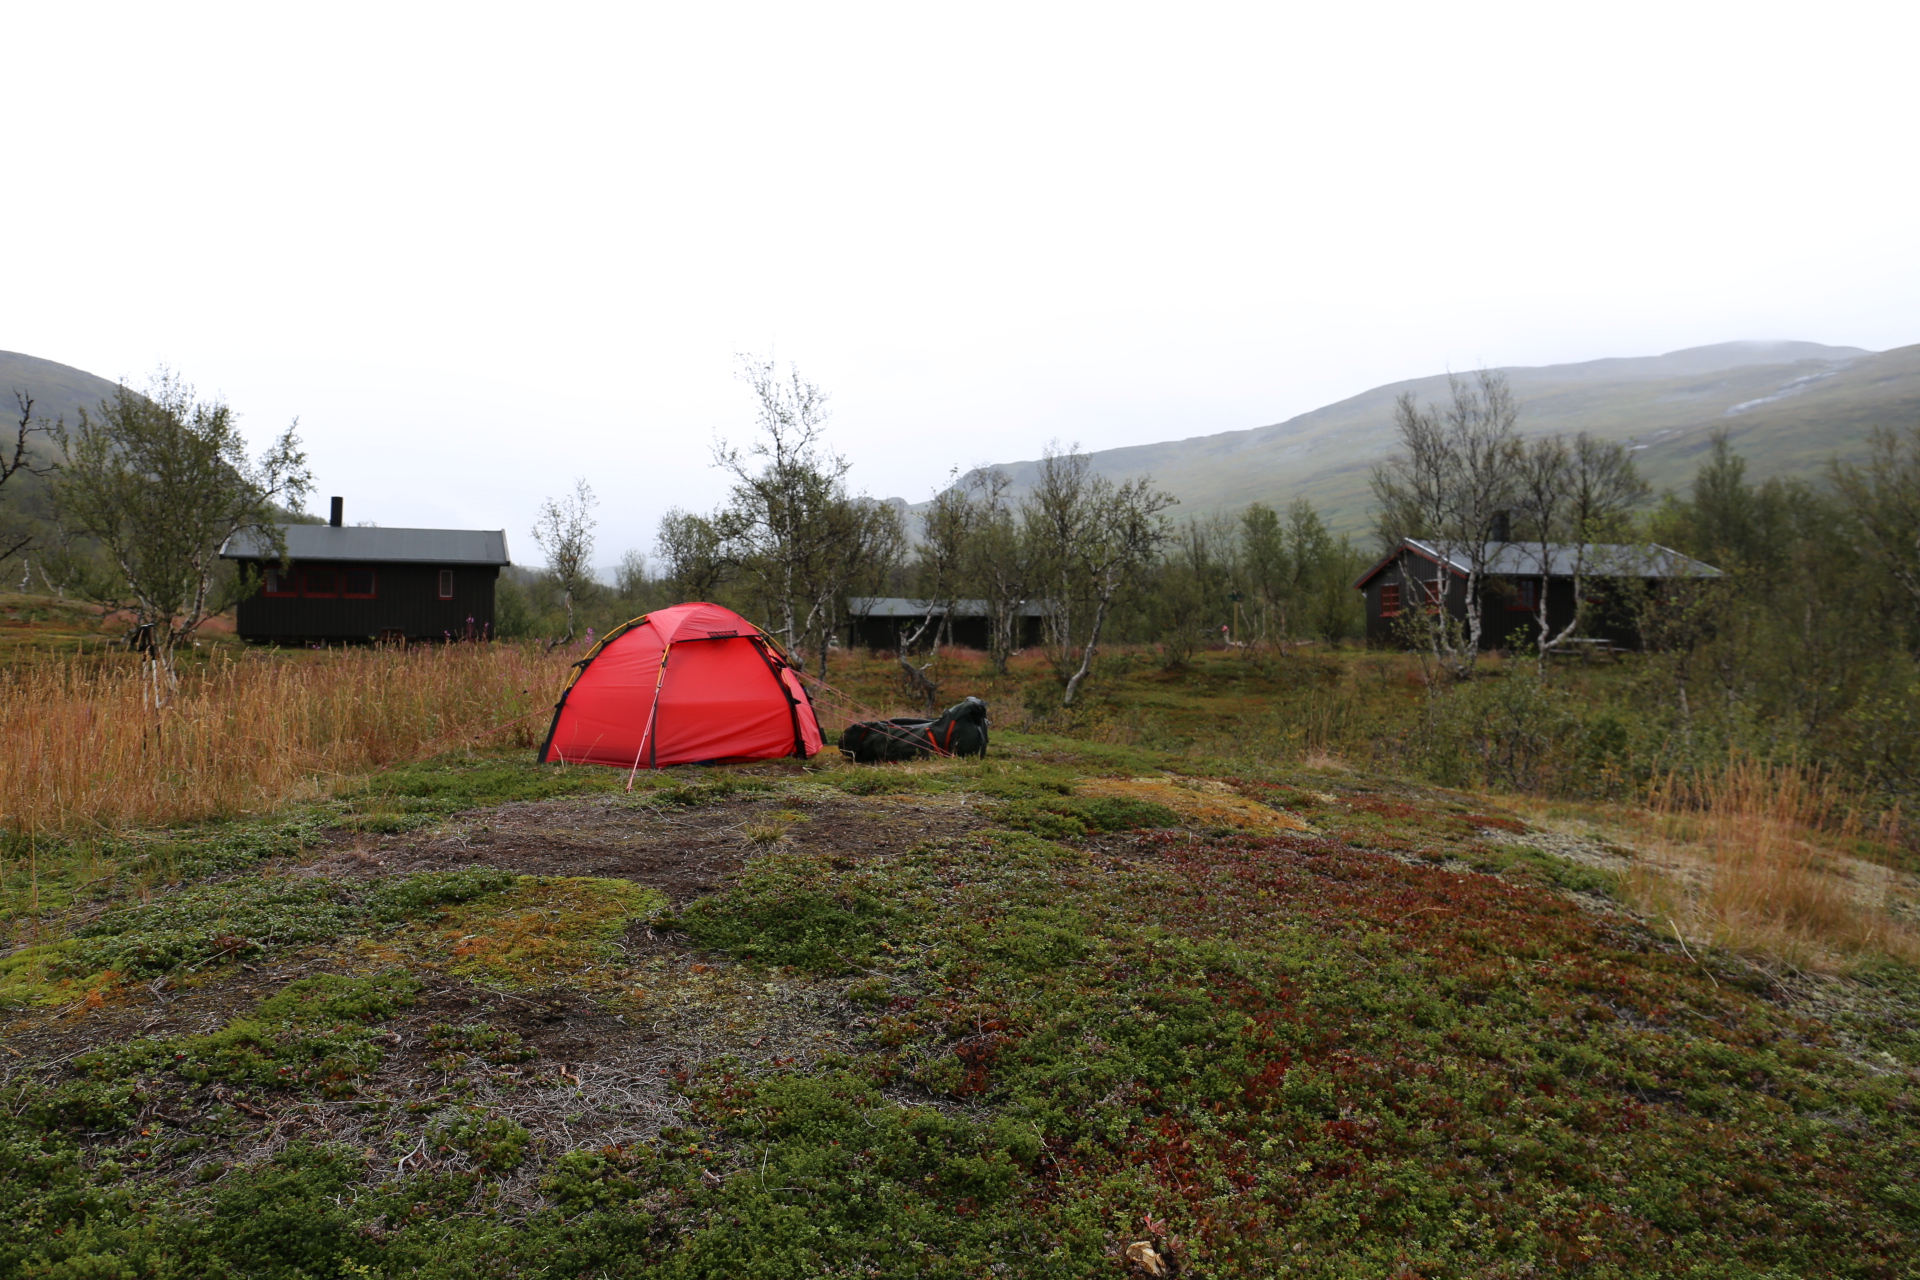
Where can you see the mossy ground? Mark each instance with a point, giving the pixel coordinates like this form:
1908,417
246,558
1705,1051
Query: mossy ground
482,1017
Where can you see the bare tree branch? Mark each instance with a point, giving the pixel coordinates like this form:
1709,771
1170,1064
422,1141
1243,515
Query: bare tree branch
564,532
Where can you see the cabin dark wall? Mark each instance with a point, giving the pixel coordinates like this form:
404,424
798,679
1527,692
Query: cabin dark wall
407,602
971,633
1500,611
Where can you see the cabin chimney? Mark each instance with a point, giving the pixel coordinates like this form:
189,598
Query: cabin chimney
339,510
1502,526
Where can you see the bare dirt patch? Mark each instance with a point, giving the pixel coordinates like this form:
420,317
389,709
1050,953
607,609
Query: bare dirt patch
1587,850
683,851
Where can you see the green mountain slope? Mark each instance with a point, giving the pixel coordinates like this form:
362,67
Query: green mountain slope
1790,406
58,390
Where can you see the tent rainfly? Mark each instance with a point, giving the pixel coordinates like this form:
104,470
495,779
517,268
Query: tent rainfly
691,684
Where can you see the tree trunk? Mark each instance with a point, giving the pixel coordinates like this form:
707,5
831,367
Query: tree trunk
1086,655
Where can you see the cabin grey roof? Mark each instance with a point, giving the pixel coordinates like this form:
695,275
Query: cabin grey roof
376,545
902,607
1524,560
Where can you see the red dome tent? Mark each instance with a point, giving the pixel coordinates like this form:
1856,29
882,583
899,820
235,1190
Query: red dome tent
692,683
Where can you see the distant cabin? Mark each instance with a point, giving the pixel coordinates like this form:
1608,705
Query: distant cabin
1409,578
345,585
881,622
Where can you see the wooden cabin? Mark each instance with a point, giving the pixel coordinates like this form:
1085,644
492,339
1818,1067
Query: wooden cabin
1411,576
345,585
882,622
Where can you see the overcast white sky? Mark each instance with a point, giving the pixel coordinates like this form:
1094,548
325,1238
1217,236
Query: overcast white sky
481,249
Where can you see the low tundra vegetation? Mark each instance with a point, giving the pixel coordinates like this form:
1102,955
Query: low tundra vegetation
1401,1042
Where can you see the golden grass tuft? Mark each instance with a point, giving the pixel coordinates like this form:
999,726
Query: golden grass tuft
773,828
1744,857
1199,799
82,751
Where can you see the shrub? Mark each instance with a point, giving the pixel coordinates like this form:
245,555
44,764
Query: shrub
788,911
875,781
693,793
205,924
397,899
492,1142
312,1033
1067,817
602,1179
478,1040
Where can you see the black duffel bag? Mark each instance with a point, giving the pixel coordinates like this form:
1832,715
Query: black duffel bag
960,730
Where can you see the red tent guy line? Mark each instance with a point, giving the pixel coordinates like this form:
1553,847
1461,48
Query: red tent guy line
694,683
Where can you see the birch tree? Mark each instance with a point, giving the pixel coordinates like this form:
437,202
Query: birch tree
564,533
946,529
1572,496
790,522
998,565
860,539
161,480
692,550
22,455
1453,479
1092,538
1883,505
784,481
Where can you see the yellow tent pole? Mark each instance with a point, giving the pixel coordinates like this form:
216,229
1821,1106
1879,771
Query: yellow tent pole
652,712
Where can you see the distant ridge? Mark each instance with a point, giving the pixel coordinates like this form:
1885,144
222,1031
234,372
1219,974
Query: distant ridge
1789,406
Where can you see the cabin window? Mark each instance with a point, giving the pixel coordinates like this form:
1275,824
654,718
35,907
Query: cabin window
446,584
1432,591
1526,594
281,582
1390,600
357,584
323,581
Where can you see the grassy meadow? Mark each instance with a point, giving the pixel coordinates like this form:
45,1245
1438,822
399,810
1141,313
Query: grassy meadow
1266,963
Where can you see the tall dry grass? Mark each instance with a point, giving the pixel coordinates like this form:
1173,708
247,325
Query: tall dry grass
1745,857
81,749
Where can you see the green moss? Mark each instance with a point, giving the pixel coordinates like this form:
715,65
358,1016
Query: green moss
544,928
1046,821
32,976
205,925
388,822
1533,865
1017,780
